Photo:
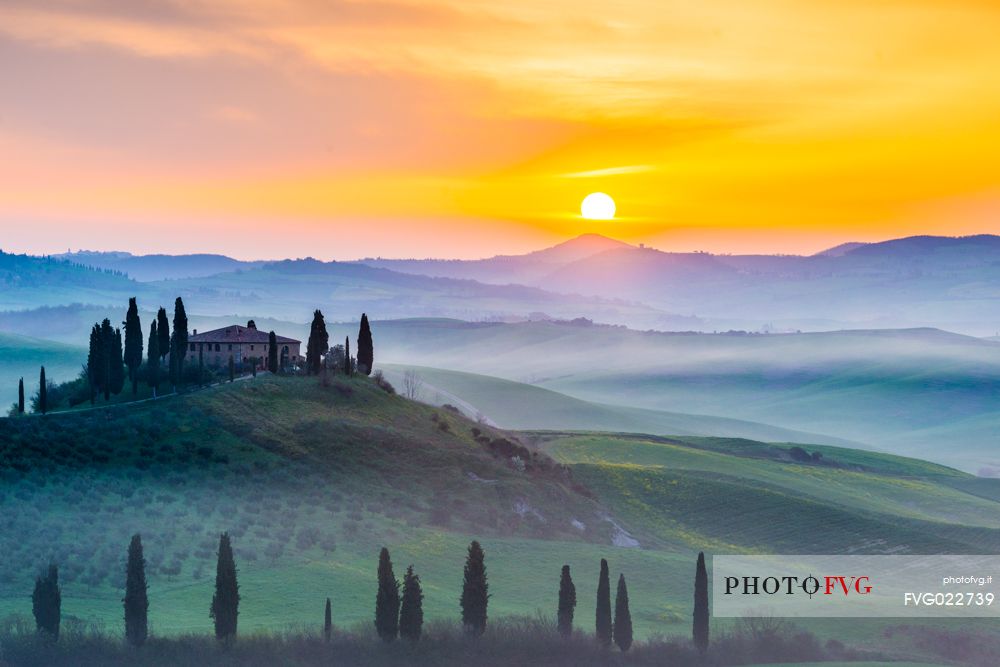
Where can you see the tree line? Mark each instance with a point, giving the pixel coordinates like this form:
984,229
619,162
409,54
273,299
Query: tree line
398,605
321,358
114,356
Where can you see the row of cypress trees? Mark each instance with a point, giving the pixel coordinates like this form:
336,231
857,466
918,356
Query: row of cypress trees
109,354
404,617
395,615
318,347
41,400
619,628
46,598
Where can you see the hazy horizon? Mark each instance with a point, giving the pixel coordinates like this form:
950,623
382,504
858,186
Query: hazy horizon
472,256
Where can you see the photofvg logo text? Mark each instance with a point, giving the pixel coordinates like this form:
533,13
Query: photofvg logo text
789,585
854,586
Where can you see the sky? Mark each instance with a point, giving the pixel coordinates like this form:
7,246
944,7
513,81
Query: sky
341,129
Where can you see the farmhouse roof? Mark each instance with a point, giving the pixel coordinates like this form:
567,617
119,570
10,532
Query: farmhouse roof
235,333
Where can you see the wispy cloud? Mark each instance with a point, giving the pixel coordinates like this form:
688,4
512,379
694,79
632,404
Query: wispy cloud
611,171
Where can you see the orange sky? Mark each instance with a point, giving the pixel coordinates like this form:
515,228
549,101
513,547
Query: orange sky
339,128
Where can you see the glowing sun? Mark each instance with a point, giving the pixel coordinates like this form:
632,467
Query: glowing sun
598,206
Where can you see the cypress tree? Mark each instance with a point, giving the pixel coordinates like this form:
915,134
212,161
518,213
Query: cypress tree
475,591
153,358
411,613
328,621
226,601
347,355
46,602
136,600
603,629
172,364
319,342
567,603
699,630
623,617
43,393
272,352
201,365
253,366
95,362
116,369
163,331
20,396
232,368
180,338
387,599
106,346
366,348
133,344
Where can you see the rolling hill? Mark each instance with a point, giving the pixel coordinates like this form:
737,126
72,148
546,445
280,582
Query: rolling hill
922,392
312,478
23,357
150,268
29,282
924,281
514,405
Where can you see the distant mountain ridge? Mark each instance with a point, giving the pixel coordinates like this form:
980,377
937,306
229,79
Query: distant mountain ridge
921,281
148,268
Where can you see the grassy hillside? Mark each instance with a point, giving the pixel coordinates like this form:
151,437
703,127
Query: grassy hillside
23,357
312,480
744,496
29,282
924,392
522,406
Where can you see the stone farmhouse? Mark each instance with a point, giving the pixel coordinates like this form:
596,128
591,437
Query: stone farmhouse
243,344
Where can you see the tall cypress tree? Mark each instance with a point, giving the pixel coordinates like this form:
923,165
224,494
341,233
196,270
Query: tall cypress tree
318,343
699,629
180,338
475,591
201,365
226,601
172,364
603,625
133,344
567,603
136,599
387,599
232,368
272,352
366,348
106,345
116,367
328,621
347,355
153,359
163,331
20,396
43,392
95,362
411,613
46,602
623,617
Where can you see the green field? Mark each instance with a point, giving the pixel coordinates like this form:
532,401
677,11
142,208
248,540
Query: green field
917,392
23,357
521,406
312,480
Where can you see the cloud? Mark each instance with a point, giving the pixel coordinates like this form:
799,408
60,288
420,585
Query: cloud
612,171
